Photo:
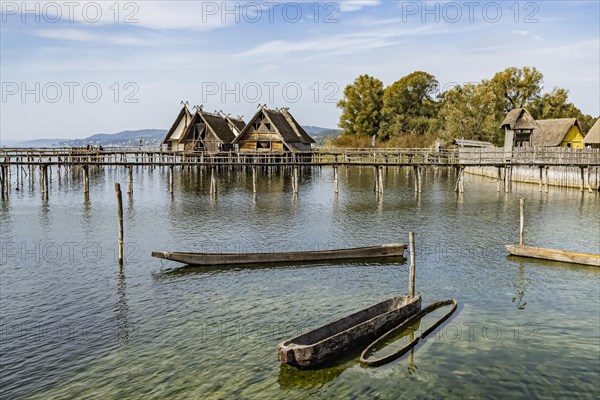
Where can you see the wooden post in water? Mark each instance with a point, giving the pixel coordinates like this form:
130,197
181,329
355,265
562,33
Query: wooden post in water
541,175
171,179
86,179
582,179
213,181
254,179
420,174
130,179
546,183
498,176
522,220
416,174
296,179
120,215
46,185
379,179
411,242
335,178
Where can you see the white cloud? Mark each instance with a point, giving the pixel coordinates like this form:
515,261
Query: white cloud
79,35
355,5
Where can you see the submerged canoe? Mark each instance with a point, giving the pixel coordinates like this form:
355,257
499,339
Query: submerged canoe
339,337
208,259
555,255
365,357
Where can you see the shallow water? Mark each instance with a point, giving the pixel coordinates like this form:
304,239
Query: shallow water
72,326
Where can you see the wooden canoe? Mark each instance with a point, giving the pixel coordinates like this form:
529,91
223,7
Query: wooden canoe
241,258
555,255
381,341
343,335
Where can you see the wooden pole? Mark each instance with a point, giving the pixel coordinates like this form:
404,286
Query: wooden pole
170,179
46,185
379,179
86,179
416,173
130,179
582,179
420,174
546,183
213,181
335,178
296,179
522,220
498,179
254,179
541,178
120,215
411,241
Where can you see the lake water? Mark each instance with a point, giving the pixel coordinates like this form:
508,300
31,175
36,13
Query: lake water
72,326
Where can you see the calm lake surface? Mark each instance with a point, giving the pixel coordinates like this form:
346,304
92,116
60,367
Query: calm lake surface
73,327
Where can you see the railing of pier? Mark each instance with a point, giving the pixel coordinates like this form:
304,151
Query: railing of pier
546,156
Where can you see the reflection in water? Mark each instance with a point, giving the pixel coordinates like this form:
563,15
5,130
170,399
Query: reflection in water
522,283
121,310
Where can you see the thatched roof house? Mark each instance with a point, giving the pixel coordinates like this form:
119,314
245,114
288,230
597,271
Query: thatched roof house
518,127
592,139
203,131
273,131
560,132
173,137
236,124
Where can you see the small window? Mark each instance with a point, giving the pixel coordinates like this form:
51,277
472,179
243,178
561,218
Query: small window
256,125
268,126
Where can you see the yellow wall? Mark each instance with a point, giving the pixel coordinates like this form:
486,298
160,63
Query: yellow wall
575,137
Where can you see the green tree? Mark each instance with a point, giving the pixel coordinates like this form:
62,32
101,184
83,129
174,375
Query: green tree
409,105
361,107
556,105
516,87
469,112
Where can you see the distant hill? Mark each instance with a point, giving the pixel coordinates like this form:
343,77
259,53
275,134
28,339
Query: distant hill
132,138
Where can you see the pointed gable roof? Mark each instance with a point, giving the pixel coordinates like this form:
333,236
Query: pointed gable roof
593,136
184,113
237,122
215,123
519,118
283,123
551,132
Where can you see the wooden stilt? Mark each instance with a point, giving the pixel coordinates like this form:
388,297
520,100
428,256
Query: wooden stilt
420,175
296,182
335,178
130,179
120,216
411,241
416,176
86,179
581,179
498,178
546,183
254,179
171,179
522,221
541,178
213,181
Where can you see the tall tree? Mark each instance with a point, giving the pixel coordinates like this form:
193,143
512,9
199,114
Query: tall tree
469,112
556,105
361,107
515,87
409,105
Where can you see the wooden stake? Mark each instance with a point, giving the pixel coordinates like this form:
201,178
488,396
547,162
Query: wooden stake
213,181
130,179
499,173
411,241
522,221
296,179
120,215
254,179
546,183
86,179
420,174
541,176
170,179
335,178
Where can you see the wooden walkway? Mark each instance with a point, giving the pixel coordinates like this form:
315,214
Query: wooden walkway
585,163
321,157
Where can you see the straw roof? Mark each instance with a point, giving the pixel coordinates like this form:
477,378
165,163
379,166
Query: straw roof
593,136
551,132
215,123
284,124
519,118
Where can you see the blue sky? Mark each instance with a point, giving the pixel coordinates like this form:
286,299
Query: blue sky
72,69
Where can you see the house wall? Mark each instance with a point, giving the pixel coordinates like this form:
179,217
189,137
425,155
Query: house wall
575,137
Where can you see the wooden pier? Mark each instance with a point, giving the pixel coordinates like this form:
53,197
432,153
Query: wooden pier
27,160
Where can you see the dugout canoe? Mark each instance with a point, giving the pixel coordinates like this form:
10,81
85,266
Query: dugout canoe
572,257
247,258
365,357
337,338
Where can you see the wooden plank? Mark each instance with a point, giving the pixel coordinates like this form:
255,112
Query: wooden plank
572,257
